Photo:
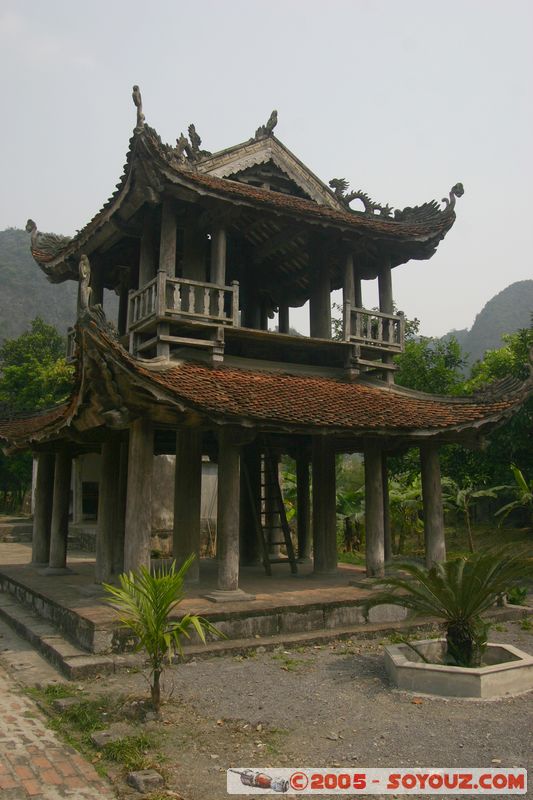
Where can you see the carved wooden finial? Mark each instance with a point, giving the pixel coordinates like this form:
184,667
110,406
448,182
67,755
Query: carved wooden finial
138,103
85,289
268,129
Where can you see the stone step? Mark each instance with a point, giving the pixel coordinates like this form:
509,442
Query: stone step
16,531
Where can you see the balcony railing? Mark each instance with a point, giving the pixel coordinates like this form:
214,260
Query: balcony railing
374,329
181,298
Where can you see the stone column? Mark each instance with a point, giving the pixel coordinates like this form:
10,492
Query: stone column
218,255
324,507
118,536
187,500
348,282
432,499
387,536
320,298
374,524
77,490
283,318
108,499
139,496
386,305
250,507
167,249
303,507
147,251
228,519
60,510
42,514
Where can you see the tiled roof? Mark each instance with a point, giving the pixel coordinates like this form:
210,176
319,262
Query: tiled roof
146,147
313,401
25,426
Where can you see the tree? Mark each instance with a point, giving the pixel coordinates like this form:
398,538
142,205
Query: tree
523,492
145,603
464,499
33,371
457,591
430,365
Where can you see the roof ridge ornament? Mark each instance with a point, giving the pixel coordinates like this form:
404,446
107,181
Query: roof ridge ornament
431,210
264,131
138,103
45,246
340,187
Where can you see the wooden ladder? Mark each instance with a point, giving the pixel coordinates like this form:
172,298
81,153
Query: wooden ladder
271,489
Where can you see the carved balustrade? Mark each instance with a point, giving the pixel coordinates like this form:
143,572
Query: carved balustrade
374,328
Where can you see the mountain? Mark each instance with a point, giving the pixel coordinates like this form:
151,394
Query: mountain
25,292
506,312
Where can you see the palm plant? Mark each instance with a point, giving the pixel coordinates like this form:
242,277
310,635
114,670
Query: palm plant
145,602
405,505
523,496
457,591
463,499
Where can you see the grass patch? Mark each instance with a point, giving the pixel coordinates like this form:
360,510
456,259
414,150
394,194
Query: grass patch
526,624
131,752
288,664
86,716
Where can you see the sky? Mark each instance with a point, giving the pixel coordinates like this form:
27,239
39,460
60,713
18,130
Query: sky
403,99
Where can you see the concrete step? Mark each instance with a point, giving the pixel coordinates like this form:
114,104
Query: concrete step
16,531
74,662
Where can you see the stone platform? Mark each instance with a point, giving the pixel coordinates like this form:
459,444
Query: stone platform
67,618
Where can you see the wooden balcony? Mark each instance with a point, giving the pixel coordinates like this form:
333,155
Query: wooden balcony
169,312
374,329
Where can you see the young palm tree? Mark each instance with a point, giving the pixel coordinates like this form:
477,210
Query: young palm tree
145,602
463,499
523,496
457,591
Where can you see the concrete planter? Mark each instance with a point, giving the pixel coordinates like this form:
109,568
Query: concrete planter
506,671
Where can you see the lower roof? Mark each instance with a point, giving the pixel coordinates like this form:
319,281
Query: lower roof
113,387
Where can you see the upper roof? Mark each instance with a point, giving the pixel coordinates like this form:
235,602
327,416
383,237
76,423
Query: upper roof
154,169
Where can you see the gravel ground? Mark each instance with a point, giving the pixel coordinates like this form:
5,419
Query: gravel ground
325,706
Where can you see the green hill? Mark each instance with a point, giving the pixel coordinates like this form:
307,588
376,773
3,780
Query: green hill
25,292
506,312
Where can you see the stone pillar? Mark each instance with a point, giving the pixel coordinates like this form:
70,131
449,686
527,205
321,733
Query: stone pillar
303,507
167,249
283,318
147,251
432,499
374,522
386,305
387,536
250,507
139,496
77,491
60,510
42,514
324,507
228,502
320,298
187,500
118,536
348,282
108,500
218,255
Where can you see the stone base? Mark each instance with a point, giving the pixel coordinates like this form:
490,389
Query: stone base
236,596
49,571
507,671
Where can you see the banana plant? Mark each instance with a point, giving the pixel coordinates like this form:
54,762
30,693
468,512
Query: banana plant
523,496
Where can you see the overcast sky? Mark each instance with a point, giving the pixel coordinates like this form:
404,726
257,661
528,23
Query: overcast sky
403,99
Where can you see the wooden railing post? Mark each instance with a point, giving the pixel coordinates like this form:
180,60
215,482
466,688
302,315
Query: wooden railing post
161,293
235,303
346,320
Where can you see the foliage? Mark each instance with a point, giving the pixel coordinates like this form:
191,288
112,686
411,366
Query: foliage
430,365
145,603
130,751
457,591
463,498
405,500
34,373
517,595
523,496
